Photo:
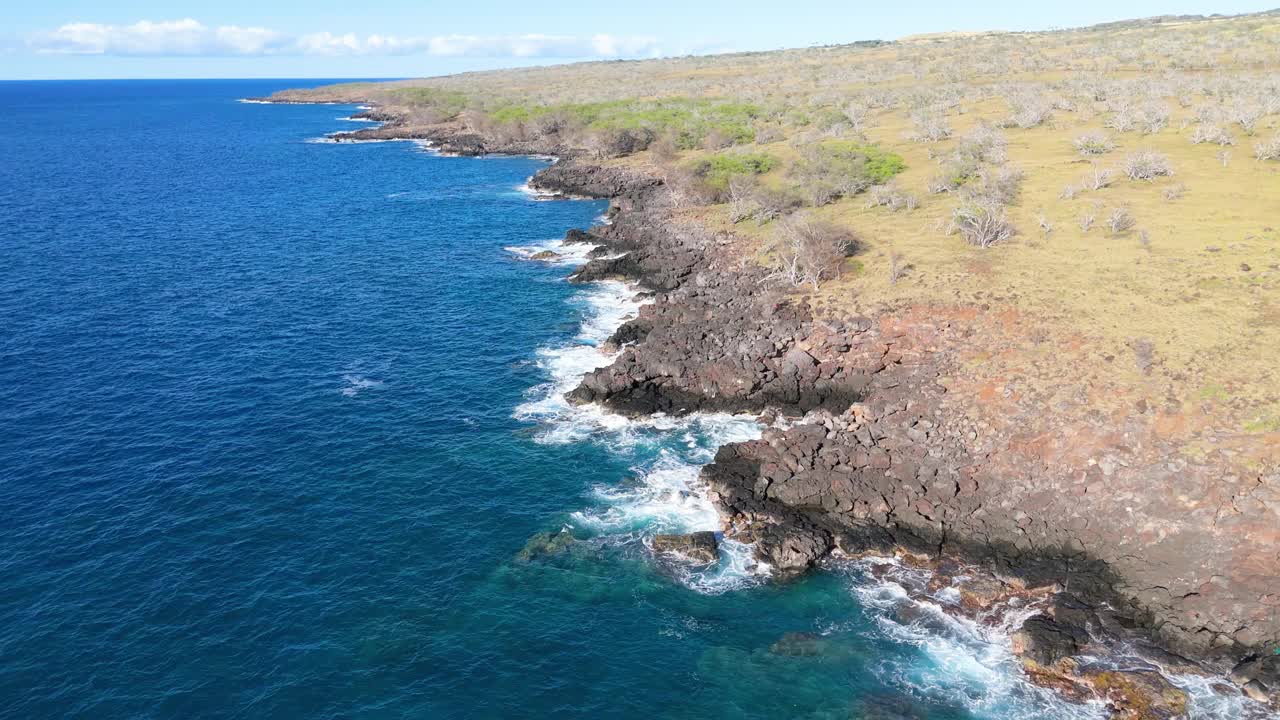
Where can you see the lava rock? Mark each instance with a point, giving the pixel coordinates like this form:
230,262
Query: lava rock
1046,641
700,547
791,549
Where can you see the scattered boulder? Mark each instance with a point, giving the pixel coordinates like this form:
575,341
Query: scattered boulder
545,255
1045,641
700,547
1255,690
792,549
1259,677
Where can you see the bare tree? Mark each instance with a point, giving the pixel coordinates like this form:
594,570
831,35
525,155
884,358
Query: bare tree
982,224
1093,143
1098,178
808,251
1147,165
1144,354
1121,220
892,197
929,127
1212,135
856,114
1046,225
1268,149
897,267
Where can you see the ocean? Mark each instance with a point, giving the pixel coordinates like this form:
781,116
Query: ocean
283,436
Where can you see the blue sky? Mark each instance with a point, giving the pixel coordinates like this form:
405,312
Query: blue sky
400,38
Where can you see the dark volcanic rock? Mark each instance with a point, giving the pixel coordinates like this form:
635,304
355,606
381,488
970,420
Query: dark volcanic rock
700,547
792,549
574,179
1045,641
1259,677
579,236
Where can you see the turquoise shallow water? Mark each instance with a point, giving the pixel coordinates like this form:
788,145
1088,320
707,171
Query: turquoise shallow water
279,417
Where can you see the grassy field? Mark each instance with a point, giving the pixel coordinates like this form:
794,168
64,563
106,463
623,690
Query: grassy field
1124,179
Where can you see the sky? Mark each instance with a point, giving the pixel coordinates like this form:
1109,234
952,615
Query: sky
70,39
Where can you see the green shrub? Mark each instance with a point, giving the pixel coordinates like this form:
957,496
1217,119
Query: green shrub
716,171
687,121
447,103
839,168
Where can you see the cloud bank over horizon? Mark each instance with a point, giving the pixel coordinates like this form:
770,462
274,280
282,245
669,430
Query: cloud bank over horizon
190,38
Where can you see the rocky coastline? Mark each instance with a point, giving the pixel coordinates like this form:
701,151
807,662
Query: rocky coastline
879,445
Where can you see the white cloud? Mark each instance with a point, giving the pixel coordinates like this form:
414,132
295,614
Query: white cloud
188,37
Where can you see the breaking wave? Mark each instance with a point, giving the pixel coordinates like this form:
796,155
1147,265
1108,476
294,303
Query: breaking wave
561,252
343,138
966,662
665,494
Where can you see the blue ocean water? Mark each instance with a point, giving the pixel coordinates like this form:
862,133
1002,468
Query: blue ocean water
279,416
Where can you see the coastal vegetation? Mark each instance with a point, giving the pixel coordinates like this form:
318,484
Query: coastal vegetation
1028,271
1063,175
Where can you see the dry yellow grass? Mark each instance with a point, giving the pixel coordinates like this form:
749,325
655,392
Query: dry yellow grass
1198,277
1204,288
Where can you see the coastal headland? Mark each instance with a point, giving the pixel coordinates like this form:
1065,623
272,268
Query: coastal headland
967,407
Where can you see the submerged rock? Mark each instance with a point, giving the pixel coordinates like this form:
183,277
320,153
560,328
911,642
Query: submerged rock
544,545
545,255
798,644
700,547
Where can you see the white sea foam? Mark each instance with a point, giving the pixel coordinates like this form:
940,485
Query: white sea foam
567,254
344,139
967,661
352,118
429,147
356,384
663,500
257,101
536,193
1208,704
606,305
666,495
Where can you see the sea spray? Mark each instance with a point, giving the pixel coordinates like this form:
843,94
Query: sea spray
666,494
965,661
562,253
